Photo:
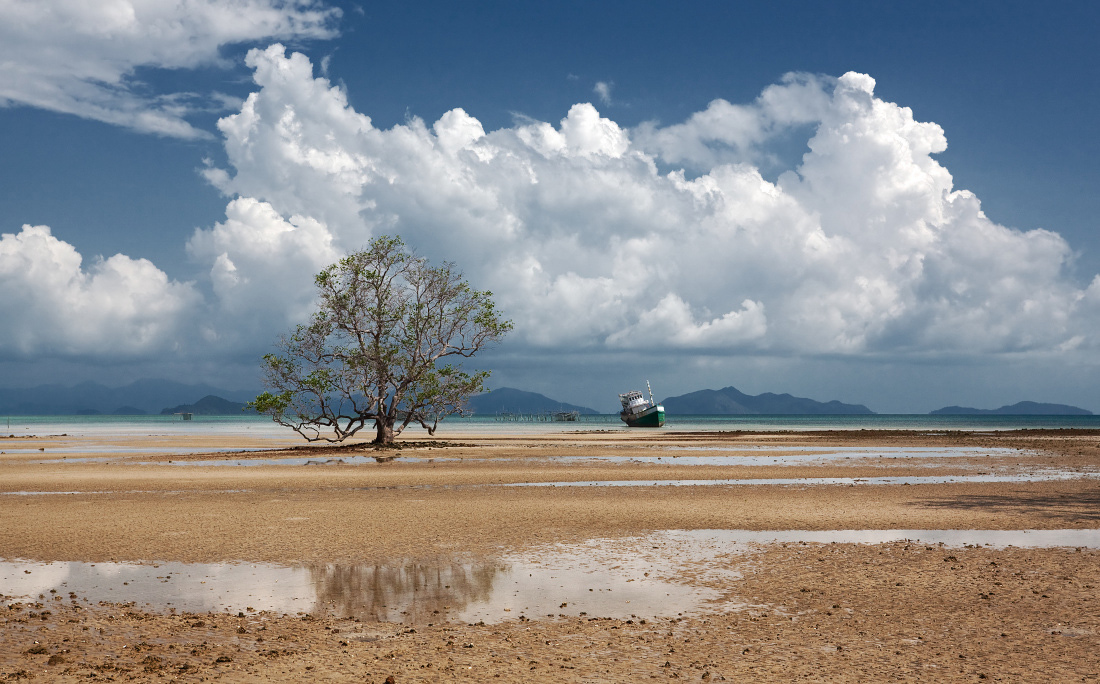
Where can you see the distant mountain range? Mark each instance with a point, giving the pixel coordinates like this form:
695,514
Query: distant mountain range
154,396
1023,408
165,397
510,400
89,398
729,401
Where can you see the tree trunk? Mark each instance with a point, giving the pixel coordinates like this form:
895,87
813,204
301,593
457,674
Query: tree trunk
384,433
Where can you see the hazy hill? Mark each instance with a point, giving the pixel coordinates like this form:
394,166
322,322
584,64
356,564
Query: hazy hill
1023,408
128,411
731,401
509,400
143,396
209,405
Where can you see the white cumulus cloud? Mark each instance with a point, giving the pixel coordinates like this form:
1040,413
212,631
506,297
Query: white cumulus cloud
595,238
80,57
731,133
254,239
863,246
53,306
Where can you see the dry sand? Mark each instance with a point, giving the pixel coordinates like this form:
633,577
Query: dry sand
837,612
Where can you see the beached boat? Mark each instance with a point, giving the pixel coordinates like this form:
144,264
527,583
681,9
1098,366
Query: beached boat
639,412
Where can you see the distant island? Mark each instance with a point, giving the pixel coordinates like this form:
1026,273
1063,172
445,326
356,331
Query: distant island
209,405
1023,408
511,400
729,401
142,397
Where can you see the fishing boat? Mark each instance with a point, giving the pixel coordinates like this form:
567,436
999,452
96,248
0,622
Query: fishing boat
638,412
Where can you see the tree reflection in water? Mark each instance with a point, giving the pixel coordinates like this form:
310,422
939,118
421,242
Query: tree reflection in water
411,592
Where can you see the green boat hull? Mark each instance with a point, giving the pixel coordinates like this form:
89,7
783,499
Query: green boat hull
653,416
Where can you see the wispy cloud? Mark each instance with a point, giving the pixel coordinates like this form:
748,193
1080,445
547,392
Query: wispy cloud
603,91
80,58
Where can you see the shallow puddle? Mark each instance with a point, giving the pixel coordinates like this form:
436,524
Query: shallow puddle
115,450
568,583
656,575
1040,476
300,461
765,455
997,539
841,450
777,455
239,462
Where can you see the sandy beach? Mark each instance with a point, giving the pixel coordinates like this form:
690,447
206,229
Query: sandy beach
640,514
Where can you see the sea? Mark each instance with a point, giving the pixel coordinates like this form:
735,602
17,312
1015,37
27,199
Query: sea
264,427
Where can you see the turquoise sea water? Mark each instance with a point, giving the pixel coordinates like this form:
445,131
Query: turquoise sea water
263,426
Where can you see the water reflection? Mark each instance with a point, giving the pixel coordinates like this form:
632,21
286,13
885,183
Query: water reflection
413,592
192,587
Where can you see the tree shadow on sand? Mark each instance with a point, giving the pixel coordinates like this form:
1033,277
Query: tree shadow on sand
1075,507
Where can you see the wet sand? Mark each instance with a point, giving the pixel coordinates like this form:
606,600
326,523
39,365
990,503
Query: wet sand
833,612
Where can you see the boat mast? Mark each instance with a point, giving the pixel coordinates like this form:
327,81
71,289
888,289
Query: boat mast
650,391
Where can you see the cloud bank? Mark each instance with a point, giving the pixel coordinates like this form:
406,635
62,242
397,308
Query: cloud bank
595,238
80,57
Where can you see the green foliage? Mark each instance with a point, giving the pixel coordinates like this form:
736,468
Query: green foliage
385,347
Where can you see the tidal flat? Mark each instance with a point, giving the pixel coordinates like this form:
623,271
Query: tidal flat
828,555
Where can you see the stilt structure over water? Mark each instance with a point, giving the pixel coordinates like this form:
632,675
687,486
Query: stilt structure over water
544,417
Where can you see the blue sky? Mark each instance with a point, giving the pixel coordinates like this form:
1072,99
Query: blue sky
845,278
